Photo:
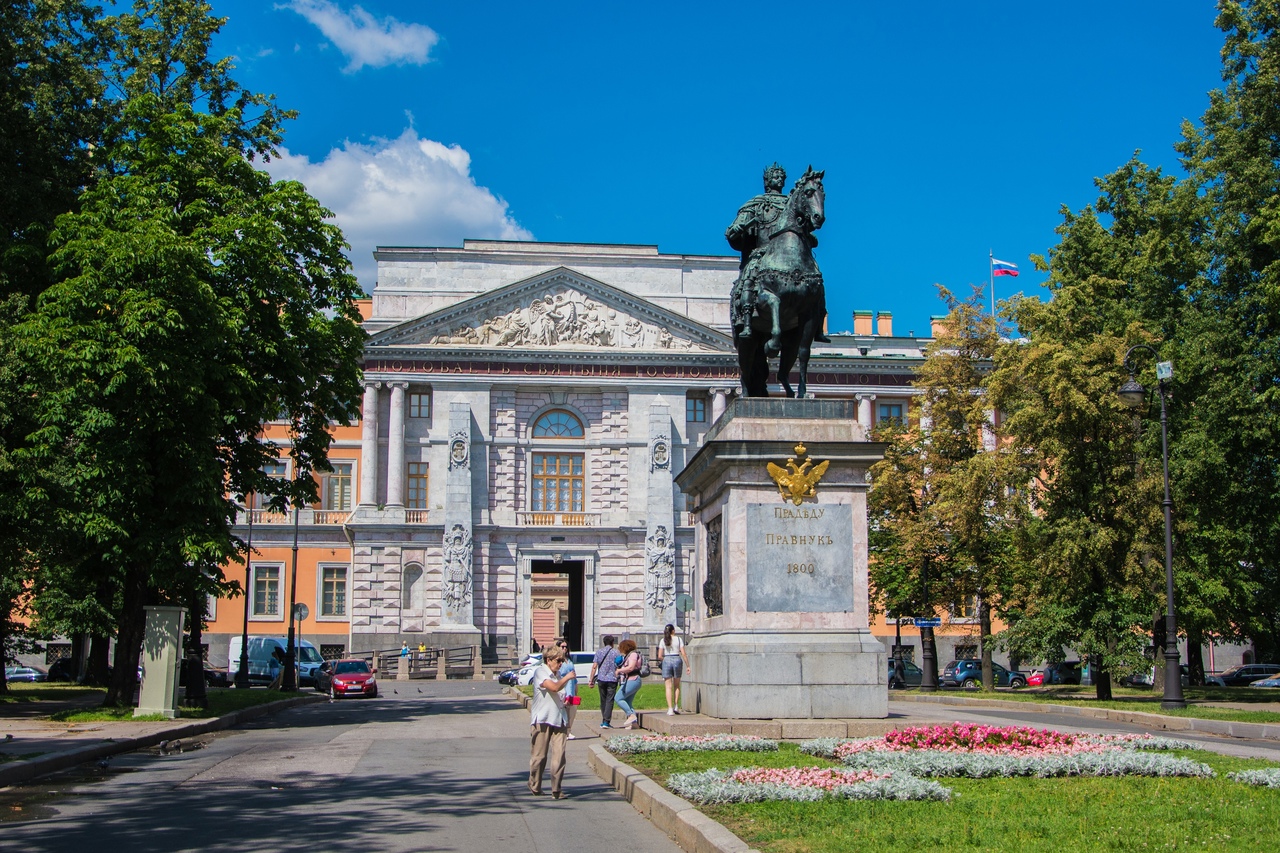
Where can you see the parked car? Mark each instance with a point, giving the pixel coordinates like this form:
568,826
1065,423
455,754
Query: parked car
61,670
1147,679
1066,672
1243,675
1273,681
263,664
911,675
212,677
968,673
1036,678
24,673
351,677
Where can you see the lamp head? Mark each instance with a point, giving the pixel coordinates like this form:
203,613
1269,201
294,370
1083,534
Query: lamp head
1132,394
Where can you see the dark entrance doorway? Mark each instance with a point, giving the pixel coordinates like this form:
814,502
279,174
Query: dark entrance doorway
557,603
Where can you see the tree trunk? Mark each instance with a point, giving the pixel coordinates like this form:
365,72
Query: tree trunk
129,631
1102,683
1157,645
99,662
1195,655
984,643
196,696
77,655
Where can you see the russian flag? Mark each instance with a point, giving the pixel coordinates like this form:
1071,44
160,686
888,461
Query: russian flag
1003,268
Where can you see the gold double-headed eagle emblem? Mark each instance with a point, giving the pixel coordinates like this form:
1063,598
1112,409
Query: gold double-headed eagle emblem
800,482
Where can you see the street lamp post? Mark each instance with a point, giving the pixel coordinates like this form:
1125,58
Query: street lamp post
289,681
1132,394
242,674
928,649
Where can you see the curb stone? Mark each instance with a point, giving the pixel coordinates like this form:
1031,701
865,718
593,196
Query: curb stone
1164,722
17,773
677,817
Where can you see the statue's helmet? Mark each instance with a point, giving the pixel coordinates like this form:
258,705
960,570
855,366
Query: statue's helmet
775,177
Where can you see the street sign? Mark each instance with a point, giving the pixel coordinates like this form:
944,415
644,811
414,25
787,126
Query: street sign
684,602
301,611
1164,370
931,622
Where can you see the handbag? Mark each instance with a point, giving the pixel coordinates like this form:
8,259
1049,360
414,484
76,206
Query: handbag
573,700
644,668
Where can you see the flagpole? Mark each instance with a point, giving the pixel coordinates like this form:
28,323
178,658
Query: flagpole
991,279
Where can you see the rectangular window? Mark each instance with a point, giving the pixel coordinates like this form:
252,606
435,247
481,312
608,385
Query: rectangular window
695,410
277,470
419,405
266,590
966,652
891,413
337,487
333,591
558,482
967,608
417,497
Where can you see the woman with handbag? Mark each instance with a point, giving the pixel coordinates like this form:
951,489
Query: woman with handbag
570,692
628,680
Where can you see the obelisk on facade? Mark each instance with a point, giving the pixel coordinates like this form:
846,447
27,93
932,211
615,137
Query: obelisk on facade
659,543
456,588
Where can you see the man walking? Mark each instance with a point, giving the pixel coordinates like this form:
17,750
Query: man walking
604,675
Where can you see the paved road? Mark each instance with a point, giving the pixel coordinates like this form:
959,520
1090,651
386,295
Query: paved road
440,769
910,712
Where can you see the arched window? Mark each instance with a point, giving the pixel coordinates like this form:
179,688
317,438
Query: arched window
412,591
557,424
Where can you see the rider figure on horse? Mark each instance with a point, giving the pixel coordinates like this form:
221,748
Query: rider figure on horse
748,234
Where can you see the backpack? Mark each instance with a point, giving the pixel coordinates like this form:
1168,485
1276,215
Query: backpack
644,671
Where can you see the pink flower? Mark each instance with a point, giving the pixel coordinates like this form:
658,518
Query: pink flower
826,778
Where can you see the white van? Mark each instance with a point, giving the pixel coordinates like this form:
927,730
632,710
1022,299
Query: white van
263,664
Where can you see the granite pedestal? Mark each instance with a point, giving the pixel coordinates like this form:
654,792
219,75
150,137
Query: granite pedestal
782,629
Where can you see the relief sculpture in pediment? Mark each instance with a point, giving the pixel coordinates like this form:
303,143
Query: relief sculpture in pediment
564,319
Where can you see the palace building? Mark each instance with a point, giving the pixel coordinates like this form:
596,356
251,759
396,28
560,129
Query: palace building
526,406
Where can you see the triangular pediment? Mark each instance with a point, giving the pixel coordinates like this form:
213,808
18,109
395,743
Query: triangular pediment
558,309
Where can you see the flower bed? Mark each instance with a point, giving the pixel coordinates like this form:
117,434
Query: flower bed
801,784
633,744
981,751
1269,778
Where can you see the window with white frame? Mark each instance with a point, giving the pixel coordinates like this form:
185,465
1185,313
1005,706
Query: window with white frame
333,591
266,591
337,487
277,470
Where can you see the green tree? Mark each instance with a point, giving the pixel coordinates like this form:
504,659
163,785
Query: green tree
195,299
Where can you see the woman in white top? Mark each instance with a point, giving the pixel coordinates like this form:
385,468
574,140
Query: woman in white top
674,662
547,721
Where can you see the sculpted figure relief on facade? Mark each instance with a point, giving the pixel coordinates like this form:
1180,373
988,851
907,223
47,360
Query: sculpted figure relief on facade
565,319
660,574
457,567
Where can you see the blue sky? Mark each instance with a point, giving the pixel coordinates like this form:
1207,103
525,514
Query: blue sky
947,130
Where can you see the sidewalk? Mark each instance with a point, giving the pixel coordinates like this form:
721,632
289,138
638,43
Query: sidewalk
54,746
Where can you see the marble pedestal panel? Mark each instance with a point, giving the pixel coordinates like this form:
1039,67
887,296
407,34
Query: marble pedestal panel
782,630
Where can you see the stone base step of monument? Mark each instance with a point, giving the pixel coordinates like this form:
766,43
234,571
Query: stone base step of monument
697,724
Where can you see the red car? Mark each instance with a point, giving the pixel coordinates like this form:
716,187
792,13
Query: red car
1035,679
351,677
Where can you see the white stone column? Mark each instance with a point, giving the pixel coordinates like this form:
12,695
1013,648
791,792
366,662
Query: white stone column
864,411
719,401
369,446
395,445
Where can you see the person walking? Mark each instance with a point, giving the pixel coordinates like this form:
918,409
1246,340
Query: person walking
674,661
604,677
570,692
629,662
547,722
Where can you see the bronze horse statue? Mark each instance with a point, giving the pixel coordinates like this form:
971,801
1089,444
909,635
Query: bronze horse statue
778,304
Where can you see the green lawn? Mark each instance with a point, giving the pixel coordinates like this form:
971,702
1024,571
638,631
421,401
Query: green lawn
222,700
1052,815
45,692
1133,699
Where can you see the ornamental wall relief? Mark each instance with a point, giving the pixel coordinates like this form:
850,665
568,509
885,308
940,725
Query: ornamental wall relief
565,319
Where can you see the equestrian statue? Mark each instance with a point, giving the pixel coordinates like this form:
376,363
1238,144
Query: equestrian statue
778,306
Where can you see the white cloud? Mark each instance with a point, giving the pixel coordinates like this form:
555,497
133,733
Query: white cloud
366,40
406,191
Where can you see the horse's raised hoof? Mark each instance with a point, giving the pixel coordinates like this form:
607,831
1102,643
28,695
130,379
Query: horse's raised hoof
772,347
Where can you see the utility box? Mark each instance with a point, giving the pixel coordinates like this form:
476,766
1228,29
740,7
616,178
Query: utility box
161,653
